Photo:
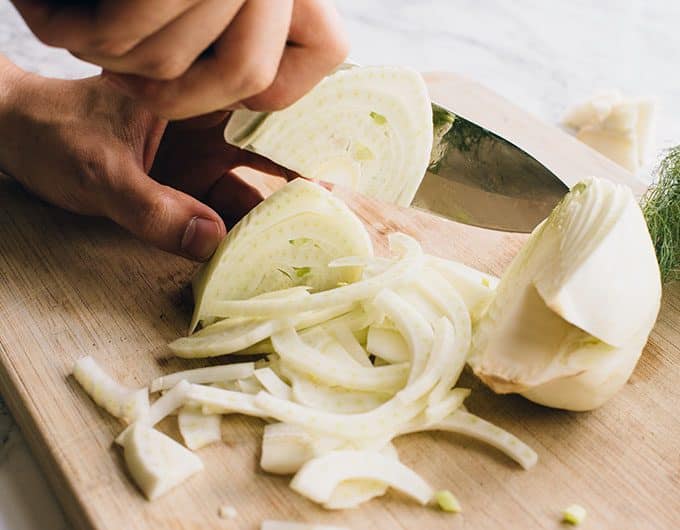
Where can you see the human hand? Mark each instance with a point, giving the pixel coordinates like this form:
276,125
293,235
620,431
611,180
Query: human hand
85,147
184,58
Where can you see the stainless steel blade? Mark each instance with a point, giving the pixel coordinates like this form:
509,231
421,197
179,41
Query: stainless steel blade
479,178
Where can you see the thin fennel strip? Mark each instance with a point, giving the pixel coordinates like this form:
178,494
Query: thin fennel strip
119,401
377,423
444,340
305,359
415,329
222,401
209,374
165,405
208,343
273,383
402,271
475,427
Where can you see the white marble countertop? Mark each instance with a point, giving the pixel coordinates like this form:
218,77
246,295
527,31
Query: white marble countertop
542,55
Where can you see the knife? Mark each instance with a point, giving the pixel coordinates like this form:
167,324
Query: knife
479,178
474,175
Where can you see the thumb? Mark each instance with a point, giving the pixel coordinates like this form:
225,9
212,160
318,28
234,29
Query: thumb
165,217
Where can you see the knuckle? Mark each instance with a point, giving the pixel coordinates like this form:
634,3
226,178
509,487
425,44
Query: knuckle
94,168
255,78
272,100
110,46
165,68
154,213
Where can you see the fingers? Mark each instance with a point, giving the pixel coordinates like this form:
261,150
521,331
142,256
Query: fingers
153,49
108,27
233,197
168,53
317,44
164,216
245,61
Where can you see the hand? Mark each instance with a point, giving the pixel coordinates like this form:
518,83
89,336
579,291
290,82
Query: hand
86,148
184,58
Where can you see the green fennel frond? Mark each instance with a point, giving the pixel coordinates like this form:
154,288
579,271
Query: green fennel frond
661,207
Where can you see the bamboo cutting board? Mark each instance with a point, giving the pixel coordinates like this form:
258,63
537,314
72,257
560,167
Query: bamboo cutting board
73,286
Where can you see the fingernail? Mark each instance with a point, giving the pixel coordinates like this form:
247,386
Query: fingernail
201,238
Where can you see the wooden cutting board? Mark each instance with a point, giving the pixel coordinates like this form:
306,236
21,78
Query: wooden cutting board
73,286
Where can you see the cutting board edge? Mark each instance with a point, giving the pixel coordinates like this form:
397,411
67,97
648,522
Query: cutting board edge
75,510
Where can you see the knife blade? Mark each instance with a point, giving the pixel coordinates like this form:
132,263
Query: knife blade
479,178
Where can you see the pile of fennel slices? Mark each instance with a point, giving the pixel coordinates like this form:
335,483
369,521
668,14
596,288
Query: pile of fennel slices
357,349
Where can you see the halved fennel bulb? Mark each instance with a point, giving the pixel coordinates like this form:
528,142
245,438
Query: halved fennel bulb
574,310
285,241
368,128
156,462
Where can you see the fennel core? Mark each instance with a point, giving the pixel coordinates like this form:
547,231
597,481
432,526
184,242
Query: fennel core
661,207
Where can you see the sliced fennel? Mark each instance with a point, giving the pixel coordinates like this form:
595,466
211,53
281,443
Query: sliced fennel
249,385
343,334
296,354
119,401
474,287
337,404
260,251
398,274
225,337
209,374
387,343
165,405
353,492
272,383
381,421
198,429
574,309
220,401
458,337
415,328
333,399
286,447
463,422
319,477
156,462
444,340
368,128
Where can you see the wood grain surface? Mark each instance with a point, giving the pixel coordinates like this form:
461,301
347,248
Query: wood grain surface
74,286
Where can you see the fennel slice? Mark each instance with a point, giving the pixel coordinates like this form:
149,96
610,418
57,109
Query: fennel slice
249,259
